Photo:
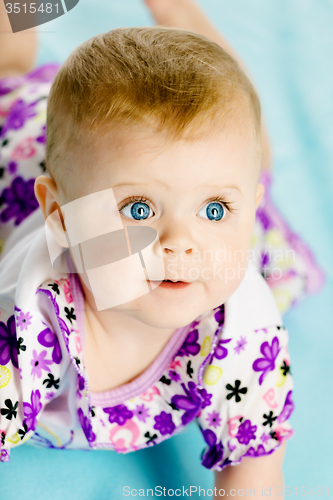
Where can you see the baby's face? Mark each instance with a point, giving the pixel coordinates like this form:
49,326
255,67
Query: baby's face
199,196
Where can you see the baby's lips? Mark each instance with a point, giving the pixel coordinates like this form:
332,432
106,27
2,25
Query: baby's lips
177,280
166,278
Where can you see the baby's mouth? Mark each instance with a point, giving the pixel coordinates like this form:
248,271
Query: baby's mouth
172,284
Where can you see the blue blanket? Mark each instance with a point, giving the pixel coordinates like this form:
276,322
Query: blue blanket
287,46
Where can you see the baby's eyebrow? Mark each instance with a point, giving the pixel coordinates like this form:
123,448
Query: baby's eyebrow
133,184
215,186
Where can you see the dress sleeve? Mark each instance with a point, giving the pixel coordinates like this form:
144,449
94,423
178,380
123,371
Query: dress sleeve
250,384
30,363
285,261
23,139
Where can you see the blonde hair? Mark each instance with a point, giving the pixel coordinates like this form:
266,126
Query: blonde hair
171,79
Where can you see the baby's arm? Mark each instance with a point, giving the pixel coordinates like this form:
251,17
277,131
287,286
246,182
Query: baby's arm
256,474
17,50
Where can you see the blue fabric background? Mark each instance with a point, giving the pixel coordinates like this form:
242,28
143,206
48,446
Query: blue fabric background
287,46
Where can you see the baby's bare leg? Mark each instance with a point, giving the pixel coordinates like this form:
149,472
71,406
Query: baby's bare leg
187,15
17,50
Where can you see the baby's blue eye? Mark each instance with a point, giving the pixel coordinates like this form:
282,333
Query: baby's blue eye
212,211
137,210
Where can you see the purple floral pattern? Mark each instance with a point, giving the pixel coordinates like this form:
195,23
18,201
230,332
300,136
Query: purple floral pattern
141,412
246,432
267,363
118,414
214,419
221,352
4,456
191,403
21,200
18,115
9,84
220,315
48,339
164,423
12,167
39,363
8,342
86,426
23,320
190,346
62,324
265,437
31,410
174,376
42,138
214,454
81,383
288,408
259,452
262,216
240,345
206,398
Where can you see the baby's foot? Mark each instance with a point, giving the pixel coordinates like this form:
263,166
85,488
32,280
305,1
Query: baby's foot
184,14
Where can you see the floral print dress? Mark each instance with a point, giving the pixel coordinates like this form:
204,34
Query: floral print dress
228,371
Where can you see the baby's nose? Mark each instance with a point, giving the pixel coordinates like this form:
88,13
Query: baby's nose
176,236
168,250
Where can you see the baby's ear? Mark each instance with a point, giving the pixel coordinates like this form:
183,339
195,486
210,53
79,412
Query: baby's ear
259,194
48,198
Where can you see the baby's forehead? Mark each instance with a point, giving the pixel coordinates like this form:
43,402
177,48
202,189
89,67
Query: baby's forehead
146,157
139,137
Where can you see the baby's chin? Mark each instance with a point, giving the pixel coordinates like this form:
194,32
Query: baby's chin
168,314
168,308
164,320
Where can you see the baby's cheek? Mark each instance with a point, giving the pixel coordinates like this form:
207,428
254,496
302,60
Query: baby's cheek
224,281
228,269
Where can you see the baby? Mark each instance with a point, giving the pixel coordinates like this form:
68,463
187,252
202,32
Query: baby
154,153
